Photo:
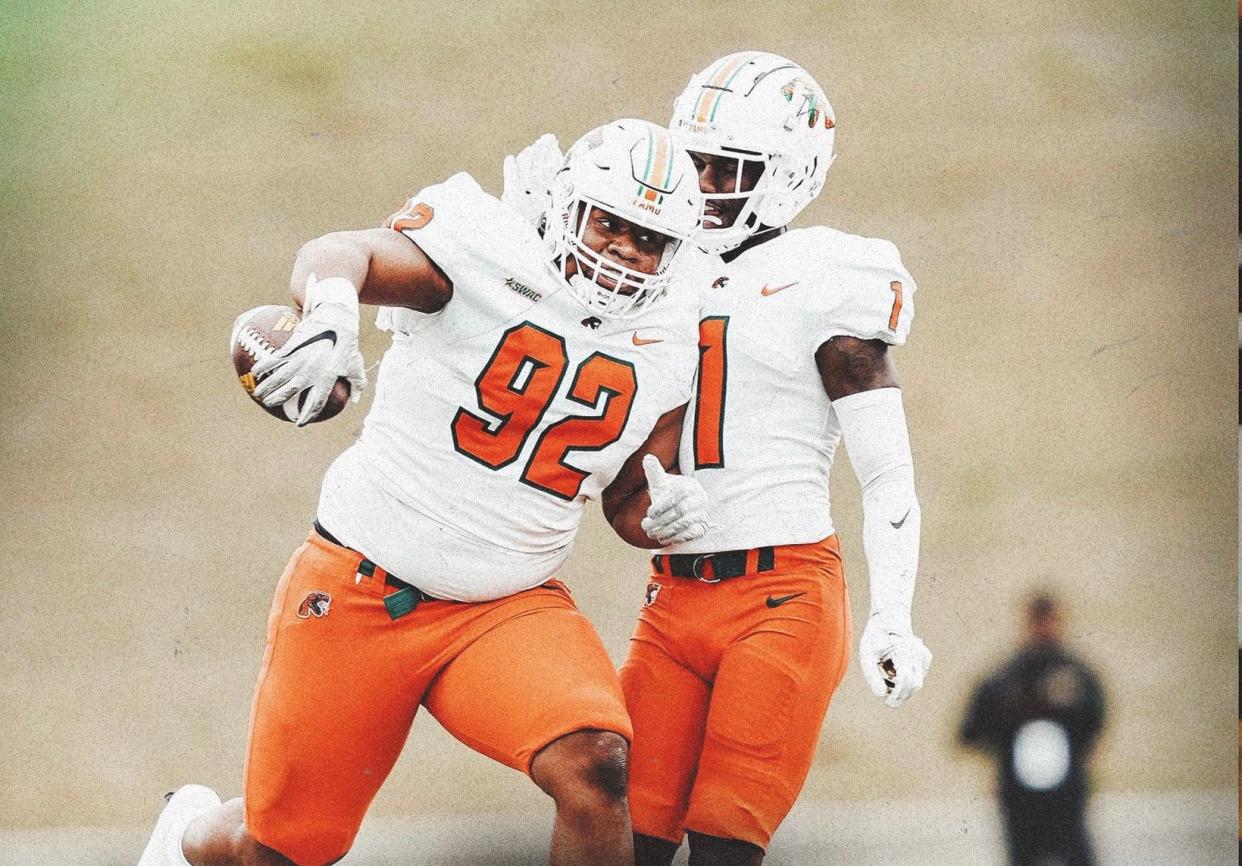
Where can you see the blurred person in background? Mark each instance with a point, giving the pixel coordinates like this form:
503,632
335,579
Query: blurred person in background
1039,715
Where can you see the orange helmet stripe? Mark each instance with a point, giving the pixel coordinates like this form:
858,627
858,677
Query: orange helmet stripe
724,76
659,164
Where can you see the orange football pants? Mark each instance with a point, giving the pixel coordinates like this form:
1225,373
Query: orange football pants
341,681
727,693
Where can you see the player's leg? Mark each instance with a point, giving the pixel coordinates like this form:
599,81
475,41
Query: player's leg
535,690
769,699
585,773
183,807
653,851
667,703
219,838
714,851
327,723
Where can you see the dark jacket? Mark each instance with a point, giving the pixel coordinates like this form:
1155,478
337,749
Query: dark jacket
1038,683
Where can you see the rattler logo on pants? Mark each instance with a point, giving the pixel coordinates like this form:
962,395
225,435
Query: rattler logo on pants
316,604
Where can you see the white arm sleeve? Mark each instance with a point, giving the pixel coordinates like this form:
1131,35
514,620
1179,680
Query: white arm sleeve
873,427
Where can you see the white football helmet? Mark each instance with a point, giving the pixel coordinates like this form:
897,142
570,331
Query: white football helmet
755,106
632,169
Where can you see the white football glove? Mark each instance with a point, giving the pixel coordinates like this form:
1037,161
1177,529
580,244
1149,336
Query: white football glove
678,509
894,661
323,347
528,177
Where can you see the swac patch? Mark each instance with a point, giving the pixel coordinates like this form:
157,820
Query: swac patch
591,322
653,590
522,289
316,604
720,282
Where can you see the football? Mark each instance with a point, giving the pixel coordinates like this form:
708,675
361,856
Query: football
259,332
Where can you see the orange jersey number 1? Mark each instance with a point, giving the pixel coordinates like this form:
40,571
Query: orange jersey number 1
710,398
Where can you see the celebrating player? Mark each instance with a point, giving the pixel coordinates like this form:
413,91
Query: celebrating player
745,632
527,374
727,704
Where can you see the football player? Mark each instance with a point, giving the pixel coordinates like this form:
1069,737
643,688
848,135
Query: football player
727,703
744,635
528,373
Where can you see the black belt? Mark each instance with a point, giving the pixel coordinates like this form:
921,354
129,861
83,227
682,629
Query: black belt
399,603
723,565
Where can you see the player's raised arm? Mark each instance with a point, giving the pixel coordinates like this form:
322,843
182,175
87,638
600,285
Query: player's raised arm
385,267
331,274
649,506
860,379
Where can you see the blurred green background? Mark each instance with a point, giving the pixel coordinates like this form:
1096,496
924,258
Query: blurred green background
1061,178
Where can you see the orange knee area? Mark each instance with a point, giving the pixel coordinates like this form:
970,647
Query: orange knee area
584,766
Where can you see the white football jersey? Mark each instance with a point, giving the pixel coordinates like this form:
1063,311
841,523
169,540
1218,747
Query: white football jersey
760,433
496,418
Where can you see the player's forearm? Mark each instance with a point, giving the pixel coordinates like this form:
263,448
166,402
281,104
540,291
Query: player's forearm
626,515
873,425
891,532
328,256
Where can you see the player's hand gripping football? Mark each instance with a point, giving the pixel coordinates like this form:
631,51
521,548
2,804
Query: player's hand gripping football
323,347
528,177
678,509
894,661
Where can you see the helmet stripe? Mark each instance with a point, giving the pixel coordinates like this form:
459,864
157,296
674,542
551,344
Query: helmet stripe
666,143
720,93
704,91
714,89
642,190
661,167
658,163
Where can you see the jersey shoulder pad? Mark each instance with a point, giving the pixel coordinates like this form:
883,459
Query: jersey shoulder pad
461,214
478,242
864,289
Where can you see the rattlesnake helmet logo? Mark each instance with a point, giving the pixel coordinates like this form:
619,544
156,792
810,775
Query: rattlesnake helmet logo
809,102
316,604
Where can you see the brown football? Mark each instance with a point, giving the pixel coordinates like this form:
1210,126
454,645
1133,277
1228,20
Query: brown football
263,330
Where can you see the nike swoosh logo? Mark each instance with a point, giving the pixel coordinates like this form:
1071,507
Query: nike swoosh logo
777,602
772,290
639,341
322,335
897,524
